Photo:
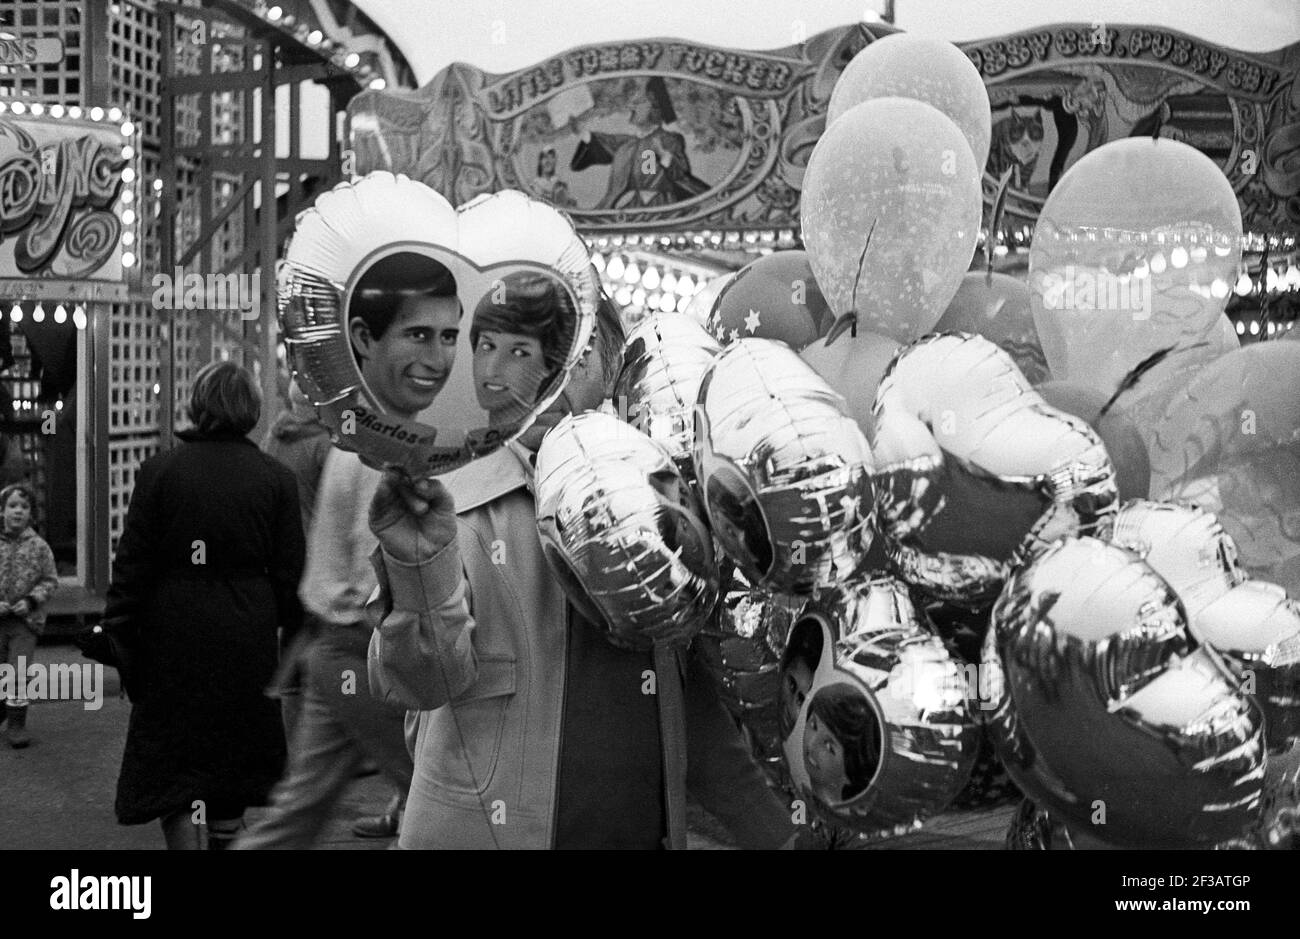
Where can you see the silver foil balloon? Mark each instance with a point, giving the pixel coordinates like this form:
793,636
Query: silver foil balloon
784,470
1107,712
974,471
386,219
1256,627
1254,624
664,361
1185,546
623,532
742,648
883,737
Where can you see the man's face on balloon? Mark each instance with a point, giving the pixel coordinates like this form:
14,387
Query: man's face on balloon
409,364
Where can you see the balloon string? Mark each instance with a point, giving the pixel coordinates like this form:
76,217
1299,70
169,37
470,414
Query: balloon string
862,261
1135,375
455,720
1265,314
995,222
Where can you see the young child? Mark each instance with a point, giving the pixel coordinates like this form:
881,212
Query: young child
27,578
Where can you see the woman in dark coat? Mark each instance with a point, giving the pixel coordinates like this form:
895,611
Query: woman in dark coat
206,575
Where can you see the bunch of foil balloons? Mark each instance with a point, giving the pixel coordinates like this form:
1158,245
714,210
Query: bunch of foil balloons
919,520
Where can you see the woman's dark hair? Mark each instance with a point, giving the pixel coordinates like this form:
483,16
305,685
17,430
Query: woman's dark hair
610,339
529,304
392,279
224,399
846,713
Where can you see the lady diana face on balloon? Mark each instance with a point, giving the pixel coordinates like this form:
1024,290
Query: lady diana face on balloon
520,333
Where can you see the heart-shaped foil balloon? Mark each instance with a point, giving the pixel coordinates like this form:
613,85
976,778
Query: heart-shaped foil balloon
785,471
974,470
1108,712
878,734
622,530
742,649
664,361
1254,624
428,336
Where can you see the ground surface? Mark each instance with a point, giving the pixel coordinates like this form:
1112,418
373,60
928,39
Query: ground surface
58,793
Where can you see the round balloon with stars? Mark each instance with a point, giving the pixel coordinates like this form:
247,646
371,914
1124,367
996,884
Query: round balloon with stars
774,297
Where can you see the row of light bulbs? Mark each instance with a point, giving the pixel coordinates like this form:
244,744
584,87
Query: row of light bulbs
1252,327
275,15
60,314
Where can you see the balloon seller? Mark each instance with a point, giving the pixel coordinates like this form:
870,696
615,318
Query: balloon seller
551,739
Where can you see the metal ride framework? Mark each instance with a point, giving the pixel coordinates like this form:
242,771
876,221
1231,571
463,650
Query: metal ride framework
193,77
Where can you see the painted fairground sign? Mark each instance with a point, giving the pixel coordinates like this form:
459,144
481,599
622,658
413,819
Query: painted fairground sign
668,134
59,181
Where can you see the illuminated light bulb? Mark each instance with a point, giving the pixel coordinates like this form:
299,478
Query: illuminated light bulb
128,197
58,405
685,285
96,114
632,273
650,279
38,314
128,217
598,262
16,314
1158,263
669,283
1292,278
60,314
1178,257
315,37
274,13
127,152
1241,328
623,296
37,109
638,297
1244,286
128,129
57,110
74,112
614,269
1219,288
377,84
668,302
79,317
128,175
19,107
157,185
3,107
1271,281
1272,328
128,259
352,60
1254,328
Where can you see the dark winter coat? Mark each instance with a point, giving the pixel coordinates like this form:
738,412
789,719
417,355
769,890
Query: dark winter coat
206,572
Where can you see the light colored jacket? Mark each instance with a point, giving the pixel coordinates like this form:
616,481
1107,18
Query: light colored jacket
489,685
338,575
